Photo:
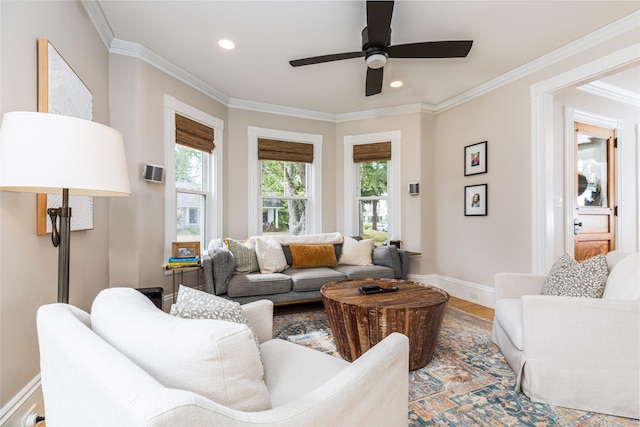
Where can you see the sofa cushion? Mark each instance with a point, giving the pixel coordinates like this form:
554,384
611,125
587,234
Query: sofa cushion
508,313
216,359
624,280
356,252
244,254
363,272
307,256
312,279
570,278
242,285
387,256
270,255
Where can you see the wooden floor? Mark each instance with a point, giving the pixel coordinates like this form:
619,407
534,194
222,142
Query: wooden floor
460,304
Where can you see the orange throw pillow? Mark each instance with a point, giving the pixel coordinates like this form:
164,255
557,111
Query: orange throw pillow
306,256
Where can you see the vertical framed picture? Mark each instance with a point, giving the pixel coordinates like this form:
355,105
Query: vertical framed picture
475,200
475,158
60,91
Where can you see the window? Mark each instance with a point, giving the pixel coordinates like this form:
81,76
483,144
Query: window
285,197
371,186
193,175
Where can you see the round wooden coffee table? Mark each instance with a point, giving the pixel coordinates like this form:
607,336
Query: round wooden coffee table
358,322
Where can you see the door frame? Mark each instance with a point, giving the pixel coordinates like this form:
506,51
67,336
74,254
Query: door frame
542,120
572,115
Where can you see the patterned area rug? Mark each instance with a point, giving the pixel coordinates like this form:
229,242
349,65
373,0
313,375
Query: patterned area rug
467,383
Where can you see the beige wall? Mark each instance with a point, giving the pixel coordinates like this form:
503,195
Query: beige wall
28,263
136,246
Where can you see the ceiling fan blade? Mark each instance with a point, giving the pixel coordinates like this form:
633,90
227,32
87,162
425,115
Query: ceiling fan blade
374,81
441,49
325,58
379,22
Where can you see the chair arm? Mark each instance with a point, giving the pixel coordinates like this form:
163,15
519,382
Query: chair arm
218,267
604,332
260,315
404,262
371,391
515,285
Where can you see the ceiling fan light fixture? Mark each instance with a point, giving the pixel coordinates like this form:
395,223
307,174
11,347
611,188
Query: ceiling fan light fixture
377,60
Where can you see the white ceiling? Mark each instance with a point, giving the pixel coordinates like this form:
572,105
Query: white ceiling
508,36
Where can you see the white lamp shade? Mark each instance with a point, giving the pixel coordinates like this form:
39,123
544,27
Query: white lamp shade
44,153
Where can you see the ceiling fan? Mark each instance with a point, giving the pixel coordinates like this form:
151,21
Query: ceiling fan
377,48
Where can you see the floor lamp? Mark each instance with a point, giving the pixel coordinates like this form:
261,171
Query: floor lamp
54,154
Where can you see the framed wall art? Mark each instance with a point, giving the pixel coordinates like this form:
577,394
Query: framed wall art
475,158
185,249
475,200
60,91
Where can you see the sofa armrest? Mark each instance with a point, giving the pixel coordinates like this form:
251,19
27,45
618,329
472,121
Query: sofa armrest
404,263
218,267
260,315
604,330
515,285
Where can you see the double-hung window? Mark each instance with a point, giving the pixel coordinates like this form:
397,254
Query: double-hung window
285,198
192,210
371,186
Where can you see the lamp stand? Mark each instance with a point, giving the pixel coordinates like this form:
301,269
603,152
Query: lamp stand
62,241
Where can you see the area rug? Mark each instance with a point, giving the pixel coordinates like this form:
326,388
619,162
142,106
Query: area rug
467,383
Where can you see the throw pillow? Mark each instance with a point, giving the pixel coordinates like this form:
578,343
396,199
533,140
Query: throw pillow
244,254
194,304
306,256
570,278
356,252
270,255
216,359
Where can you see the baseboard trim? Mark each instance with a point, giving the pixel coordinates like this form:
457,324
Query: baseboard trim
468,291
21,404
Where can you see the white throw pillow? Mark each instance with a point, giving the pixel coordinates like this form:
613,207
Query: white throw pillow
270,255
624,280
216,359
356,252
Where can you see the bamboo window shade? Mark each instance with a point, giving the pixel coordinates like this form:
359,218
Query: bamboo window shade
284,151
194,135
377,151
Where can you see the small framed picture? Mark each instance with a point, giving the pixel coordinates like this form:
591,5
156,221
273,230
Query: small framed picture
475,200
185,249
475,158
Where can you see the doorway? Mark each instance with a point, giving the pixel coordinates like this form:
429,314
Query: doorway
594,190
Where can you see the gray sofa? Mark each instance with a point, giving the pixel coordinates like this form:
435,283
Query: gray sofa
294,285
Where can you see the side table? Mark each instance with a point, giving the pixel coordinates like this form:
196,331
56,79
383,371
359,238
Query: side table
182,270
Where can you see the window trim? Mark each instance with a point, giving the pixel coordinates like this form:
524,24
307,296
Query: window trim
394,229
314,191
214,180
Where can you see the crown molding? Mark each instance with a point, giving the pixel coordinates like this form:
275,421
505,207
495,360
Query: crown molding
615,29
606,90
123,47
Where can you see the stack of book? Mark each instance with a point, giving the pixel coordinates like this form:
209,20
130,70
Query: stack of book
183,262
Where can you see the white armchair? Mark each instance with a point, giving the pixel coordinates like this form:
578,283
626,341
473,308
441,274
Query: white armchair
86,381
581,353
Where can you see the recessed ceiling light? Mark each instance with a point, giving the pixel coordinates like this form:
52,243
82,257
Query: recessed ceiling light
396,83
226,44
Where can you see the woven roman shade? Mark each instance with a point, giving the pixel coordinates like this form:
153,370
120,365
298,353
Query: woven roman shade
193,134
377,151
284,151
